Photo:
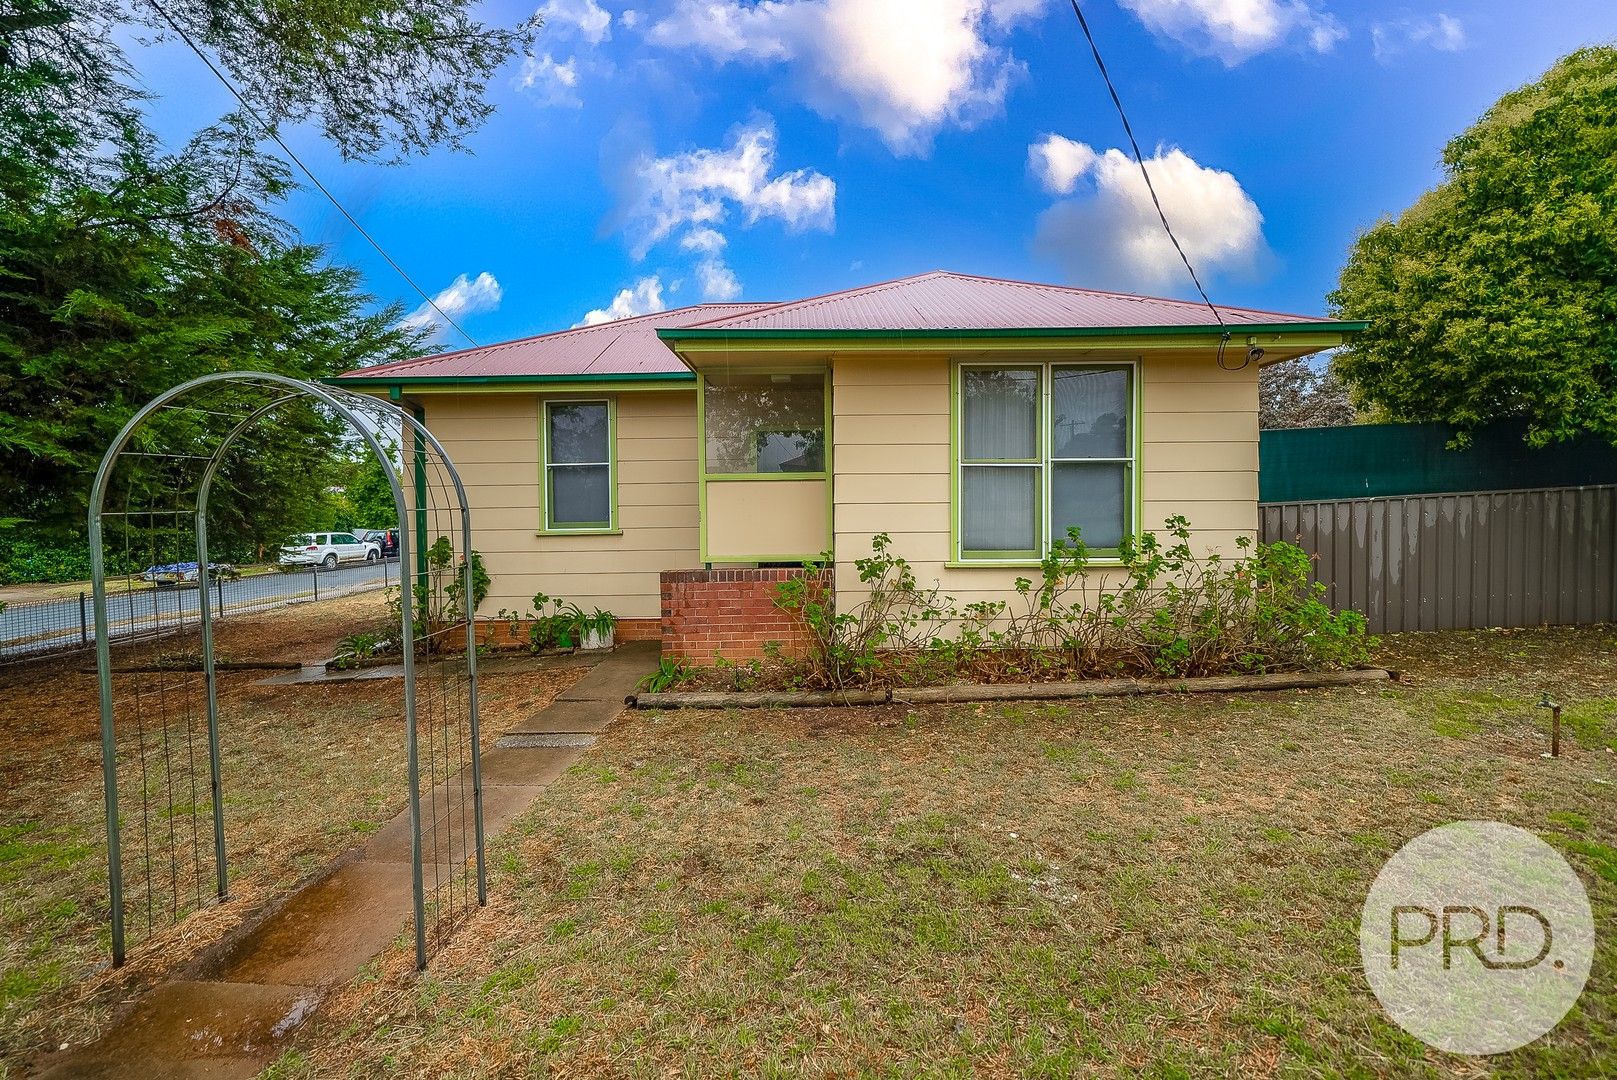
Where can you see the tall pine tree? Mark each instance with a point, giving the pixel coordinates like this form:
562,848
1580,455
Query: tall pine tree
125,270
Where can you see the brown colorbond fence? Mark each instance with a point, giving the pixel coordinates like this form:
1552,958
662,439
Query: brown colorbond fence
1461,560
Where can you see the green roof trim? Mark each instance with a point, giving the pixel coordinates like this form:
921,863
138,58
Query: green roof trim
671,377
699,333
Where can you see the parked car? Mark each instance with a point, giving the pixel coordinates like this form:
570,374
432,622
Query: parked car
386,539
186,573
326,549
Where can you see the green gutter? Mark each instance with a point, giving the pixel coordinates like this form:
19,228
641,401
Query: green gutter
405,379
1240,330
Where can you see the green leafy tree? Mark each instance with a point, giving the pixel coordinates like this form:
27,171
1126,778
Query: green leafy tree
381,78
1495,295
1294,393
367,496
125,270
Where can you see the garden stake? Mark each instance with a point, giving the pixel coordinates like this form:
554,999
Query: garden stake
1555,724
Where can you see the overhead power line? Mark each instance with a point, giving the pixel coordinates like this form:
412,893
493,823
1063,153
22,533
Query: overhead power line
1139,159
269,129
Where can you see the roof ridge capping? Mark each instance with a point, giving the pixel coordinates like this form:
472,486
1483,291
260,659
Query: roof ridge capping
1049,308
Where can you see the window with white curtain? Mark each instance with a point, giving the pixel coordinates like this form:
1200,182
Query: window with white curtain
578,466
1043,448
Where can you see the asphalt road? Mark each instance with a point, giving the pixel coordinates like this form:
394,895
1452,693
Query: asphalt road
42,625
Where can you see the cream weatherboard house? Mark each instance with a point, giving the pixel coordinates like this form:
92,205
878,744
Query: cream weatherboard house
668,468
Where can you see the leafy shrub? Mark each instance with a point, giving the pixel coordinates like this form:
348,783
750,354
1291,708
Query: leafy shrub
556,623
437,592
1159,611
355,648
26,560
669,674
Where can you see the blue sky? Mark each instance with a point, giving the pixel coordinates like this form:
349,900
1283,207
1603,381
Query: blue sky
663,152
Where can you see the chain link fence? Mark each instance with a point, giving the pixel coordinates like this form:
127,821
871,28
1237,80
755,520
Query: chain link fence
137,609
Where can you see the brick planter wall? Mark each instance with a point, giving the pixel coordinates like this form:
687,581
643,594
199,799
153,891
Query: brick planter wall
503,634
728,613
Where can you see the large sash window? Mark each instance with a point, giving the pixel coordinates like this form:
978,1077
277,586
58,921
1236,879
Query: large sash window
1042,448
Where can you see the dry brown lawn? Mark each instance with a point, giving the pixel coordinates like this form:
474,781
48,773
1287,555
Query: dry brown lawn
308,772
1159,886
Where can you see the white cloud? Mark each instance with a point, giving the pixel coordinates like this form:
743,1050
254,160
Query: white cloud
643,298
1112,237
1007,13
555,82
699,188
1442,32
630,18
904,68
719,283
1058,162
708,241
698,193
1234,30
550,82
463,296
585,18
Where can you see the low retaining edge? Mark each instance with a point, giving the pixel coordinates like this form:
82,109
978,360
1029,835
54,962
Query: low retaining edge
1053,691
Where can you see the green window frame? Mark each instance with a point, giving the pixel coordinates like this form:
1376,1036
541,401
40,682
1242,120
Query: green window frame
1042,464
550,468
708,476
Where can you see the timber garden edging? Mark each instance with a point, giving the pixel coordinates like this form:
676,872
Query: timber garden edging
970,692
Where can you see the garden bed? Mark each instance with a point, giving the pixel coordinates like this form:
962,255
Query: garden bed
1165,612
1023,691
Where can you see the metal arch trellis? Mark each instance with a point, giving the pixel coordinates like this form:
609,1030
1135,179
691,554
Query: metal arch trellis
222,410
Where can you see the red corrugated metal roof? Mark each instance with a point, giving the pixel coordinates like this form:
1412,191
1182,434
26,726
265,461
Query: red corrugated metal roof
624,347
939,301
946,301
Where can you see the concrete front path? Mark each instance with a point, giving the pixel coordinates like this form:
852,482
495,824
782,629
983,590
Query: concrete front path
230,1012
591,703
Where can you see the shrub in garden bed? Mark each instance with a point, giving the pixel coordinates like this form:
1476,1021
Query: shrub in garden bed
438,597
1157,611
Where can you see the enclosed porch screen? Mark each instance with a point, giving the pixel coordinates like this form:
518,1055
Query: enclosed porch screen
1042,448
765,487
764,423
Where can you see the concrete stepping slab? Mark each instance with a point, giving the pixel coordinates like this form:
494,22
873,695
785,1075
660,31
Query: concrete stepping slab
447,811
526,766
309,673
532,742
195,1029
616,675
328,931
564,716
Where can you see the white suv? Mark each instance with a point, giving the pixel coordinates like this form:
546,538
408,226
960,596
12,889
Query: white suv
327,549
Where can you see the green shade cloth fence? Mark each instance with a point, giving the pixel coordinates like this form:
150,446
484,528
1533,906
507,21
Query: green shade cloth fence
1370,460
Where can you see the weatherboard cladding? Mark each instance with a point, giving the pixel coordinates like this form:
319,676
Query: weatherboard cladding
940,301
